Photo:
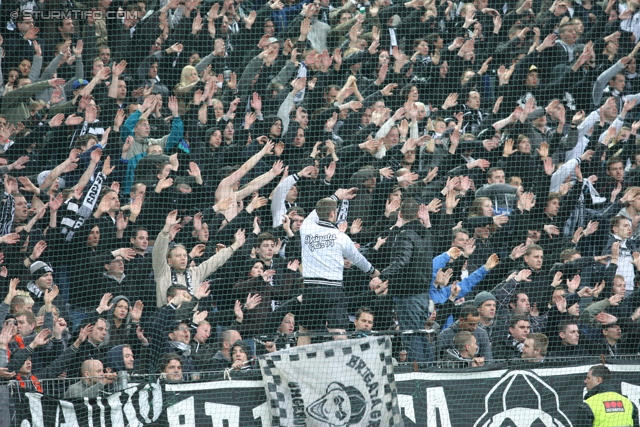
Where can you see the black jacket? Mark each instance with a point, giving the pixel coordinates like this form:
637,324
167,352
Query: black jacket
506,349
411,254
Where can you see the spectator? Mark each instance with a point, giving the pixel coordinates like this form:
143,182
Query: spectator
26,379
323,254
120,359
240,356
410,253
570,343
468,321
170,367
202,350
179,340
93,381
485,302
534,348
621,232
463,353
363,322
170,266
222,359
511,347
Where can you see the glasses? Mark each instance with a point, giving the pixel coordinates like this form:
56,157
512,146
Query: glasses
181,329
11,322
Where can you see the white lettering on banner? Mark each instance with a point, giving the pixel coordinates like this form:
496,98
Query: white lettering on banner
184,409
69,413
262,412
102,413
116,409
89,413
436,402
632,392
129,410
156,399
219,413
35,405
405,401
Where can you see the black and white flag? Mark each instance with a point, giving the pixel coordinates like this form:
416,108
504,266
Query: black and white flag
334,384
135,406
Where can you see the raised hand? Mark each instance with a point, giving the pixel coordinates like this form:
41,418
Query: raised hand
199,316
252,301
6,335
50,295
104,303
136,311
239,238
203,290
141,337
573,284
616,299
84,334
492,262
197,251
41,339
237,310
523,276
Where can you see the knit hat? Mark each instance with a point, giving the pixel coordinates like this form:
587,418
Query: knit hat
43,175
39,269
482,297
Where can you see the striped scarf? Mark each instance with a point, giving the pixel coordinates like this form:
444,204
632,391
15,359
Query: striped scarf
34,381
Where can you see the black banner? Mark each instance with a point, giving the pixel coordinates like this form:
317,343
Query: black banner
539,396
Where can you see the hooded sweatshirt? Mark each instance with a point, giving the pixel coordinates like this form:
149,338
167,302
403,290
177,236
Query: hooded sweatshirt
114,359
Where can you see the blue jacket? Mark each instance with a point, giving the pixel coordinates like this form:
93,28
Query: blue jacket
440,295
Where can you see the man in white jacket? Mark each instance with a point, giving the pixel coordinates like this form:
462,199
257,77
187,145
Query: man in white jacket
324,248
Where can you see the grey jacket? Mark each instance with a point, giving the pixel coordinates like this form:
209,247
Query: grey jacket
81,389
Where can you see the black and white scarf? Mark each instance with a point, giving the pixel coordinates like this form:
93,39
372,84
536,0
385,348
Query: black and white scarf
183,349
76,215
6,216
187,279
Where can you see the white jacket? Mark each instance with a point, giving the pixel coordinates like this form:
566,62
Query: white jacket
324,248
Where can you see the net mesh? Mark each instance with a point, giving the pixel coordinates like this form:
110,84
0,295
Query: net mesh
310,210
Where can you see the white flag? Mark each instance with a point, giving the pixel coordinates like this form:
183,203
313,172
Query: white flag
333,384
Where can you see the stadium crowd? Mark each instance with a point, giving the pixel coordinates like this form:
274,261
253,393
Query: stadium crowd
191,184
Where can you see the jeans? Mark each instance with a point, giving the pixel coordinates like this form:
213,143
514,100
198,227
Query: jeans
413,312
